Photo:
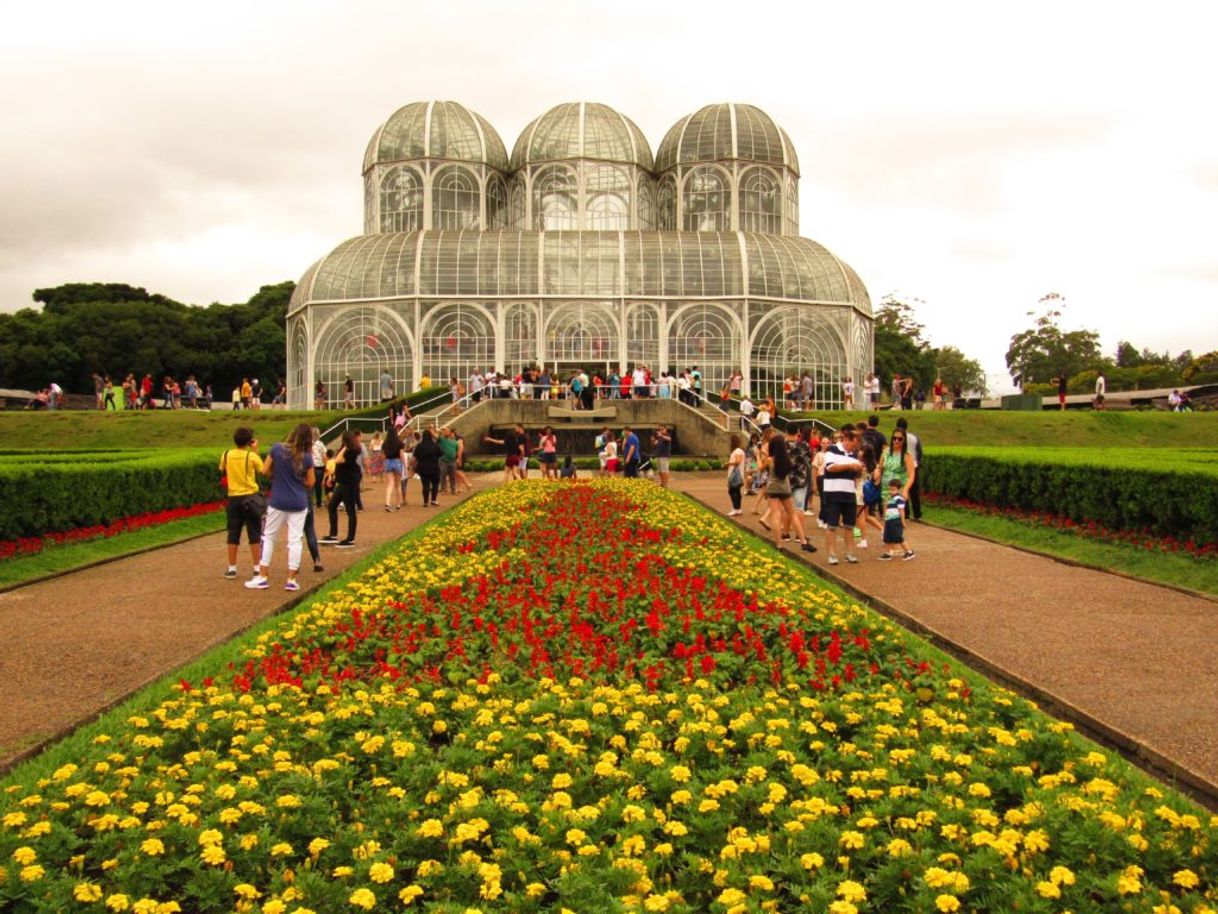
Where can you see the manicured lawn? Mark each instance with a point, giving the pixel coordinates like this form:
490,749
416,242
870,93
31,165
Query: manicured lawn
1179,569
1180,459
56,559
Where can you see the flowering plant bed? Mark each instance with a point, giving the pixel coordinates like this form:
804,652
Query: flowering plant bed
591,697
1087,529
31,545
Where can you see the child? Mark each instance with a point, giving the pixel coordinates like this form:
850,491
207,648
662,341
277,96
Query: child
568,468
894,524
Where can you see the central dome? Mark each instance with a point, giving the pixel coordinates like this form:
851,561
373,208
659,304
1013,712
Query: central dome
582,130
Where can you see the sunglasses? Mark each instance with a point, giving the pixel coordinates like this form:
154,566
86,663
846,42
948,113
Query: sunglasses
898,437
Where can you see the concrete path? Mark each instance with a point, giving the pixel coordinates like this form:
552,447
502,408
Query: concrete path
77,644
1132,663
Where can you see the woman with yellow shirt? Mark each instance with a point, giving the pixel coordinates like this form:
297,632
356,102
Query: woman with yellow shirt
240,466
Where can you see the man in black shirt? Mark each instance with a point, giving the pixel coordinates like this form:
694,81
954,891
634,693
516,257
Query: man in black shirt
873,436
662,443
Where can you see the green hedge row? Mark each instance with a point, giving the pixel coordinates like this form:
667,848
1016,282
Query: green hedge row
1172,502
41,497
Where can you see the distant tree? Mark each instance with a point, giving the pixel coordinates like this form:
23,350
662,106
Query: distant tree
1202,370
1046,351
954,367
900,346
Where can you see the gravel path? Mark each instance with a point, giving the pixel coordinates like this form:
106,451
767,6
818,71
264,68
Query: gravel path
1133,664
75,645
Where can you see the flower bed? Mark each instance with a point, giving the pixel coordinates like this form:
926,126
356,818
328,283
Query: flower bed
592,698
1087,529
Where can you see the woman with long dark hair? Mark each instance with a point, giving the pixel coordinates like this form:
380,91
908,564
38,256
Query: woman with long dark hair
392,449
290,469
427,466
778,490
347,476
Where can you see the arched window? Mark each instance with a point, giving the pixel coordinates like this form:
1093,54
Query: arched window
516,203
666,205
361,343
496,202
760,202
454,199
707,201
706,336
792,340
401,200
643,336
455,340
582,334
298,380
608,196
520,336
555,198
792,202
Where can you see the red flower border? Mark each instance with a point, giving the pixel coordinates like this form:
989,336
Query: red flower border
1086,529
31,545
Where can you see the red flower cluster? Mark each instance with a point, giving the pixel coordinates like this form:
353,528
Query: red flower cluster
1089,529
29,545
593,598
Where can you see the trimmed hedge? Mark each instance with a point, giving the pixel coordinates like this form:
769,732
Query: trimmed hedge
678,464
1146,492
43,496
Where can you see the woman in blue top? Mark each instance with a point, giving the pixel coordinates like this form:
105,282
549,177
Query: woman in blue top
290,469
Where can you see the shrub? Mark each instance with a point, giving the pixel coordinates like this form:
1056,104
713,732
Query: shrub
42,497
1120,492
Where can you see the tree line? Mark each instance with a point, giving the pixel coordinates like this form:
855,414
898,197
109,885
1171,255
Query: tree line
901,348
114,328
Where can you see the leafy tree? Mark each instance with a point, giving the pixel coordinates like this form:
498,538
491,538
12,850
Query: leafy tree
954,367
1046,351
900,347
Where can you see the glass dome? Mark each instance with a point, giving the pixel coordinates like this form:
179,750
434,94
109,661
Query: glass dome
582,130
723,133
436,130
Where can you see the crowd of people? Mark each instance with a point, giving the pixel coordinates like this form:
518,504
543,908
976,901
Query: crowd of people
857,479
112,395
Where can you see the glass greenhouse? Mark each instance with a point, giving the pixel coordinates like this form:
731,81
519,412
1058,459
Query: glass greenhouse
581,250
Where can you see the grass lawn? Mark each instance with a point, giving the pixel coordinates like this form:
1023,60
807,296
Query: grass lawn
1182,459
55,559
1178,569
1132,429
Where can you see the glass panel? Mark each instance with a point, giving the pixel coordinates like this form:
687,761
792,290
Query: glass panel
555,198
643,336
706,337
496,202
521,340
793,339
760,202
455,340
361,343
401,200
583,334
646,204
299,395
666,205
706,201
608,197
455,199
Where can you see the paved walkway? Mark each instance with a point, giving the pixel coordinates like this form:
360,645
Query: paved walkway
1134,663
1130,662
75,645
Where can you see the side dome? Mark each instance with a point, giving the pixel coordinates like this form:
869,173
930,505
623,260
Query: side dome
582,130
436,130
724,133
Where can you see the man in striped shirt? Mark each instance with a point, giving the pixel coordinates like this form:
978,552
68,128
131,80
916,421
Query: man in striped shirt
842,471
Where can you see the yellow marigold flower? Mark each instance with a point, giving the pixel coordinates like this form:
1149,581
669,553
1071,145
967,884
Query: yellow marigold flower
14,819
681,797
1186,879
282,849
1036,841
1061,875
708,806
634,845
32,873
535,889
761,883
430,828
561,781
248,842
317,845
633,813
899,847
118,902
25,855
662,850
811,861
851,840
409,894
851,891
246,891
656,903
362,898
210,836
87,892
152,847
1048,890
430,868
680,773
213,855
842,907
380,872
1129,882
97,798
947,903
341,871
275,906
576,836
288,801
588,850
731,897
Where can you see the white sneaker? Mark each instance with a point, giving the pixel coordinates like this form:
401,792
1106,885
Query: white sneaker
822,525
808,512
257,582
862,544
735,513
833,560
852,559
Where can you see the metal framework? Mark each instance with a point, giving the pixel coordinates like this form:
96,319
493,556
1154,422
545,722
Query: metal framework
578,250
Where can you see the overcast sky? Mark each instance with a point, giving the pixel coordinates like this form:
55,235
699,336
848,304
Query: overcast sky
972,155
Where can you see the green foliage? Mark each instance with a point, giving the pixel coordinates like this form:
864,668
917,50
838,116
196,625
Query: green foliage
1046,351
954,367
900,347
1202,370
56,496
114,329
1172,493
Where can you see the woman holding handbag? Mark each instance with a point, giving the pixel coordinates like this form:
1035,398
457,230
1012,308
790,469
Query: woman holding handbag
735,476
